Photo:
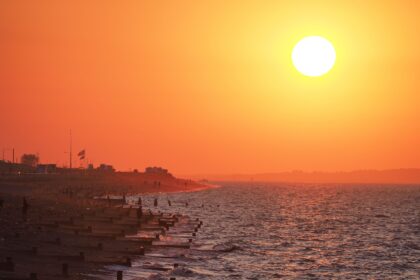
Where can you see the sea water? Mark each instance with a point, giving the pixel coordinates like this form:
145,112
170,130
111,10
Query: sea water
285,231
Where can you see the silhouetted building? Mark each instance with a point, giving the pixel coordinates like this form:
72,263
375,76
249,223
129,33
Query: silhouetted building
15,168
46,168
156,170
106,168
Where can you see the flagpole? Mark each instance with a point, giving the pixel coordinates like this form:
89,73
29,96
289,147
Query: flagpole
70,150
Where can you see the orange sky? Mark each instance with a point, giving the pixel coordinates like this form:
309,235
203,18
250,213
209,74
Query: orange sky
209,86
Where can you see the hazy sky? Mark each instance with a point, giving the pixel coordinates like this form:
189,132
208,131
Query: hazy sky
209,86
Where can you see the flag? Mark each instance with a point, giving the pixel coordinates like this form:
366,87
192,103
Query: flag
82,154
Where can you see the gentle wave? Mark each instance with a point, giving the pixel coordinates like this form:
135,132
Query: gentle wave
298,232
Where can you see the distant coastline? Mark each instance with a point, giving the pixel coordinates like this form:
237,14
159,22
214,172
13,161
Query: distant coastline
371,176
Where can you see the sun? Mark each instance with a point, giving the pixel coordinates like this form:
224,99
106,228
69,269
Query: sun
313,56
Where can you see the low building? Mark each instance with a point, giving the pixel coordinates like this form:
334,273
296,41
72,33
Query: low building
156,170
106,168
15,168
46,168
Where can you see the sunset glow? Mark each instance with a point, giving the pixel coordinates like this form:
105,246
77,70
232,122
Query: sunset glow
209,139
183,84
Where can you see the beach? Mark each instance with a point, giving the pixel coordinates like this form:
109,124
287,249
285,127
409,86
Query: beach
56,226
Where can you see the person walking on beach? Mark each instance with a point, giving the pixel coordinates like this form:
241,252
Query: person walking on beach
169,203
155,203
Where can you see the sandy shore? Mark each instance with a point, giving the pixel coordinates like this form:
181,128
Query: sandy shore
62,230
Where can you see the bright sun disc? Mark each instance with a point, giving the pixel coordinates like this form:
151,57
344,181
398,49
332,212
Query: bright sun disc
313,56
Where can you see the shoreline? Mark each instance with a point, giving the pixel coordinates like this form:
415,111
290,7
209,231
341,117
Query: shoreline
63,212
205,186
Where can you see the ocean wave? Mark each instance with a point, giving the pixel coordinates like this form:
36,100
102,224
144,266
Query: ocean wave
226,247
157,277
182,271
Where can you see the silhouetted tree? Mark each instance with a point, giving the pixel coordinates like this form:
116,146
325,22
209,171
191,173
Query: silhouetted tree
29,159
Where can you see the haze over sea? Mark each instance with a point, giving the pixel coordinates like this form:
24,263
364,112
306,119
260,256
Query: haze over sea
270,231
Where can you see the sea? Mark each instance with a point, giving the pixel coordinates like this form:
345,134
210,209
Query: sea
293,231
